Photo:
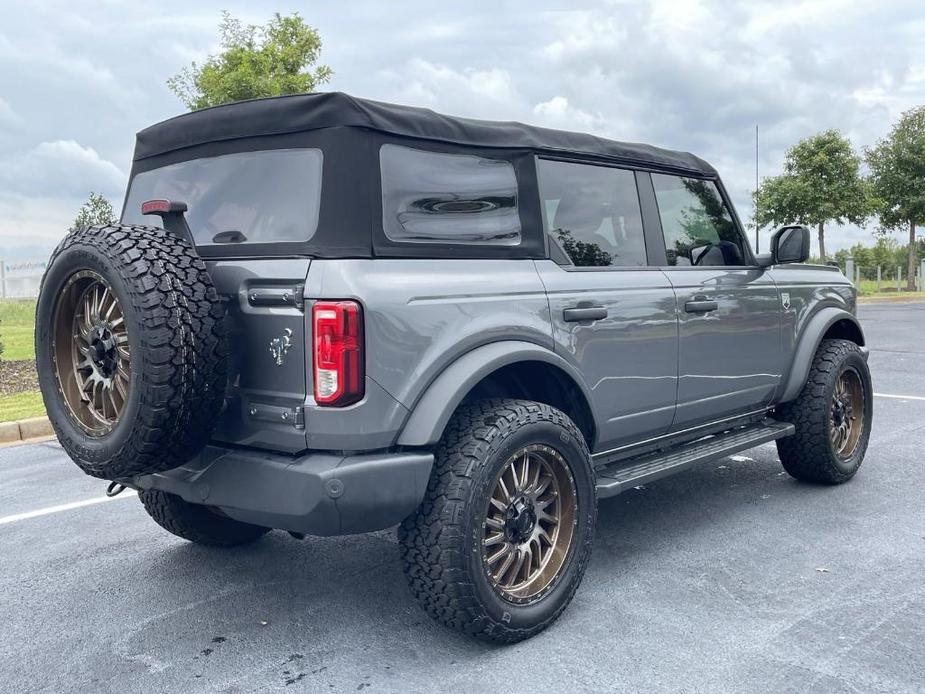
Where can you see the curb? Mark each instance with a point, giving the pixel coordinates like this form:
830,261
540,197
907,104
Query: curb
890,299
25,429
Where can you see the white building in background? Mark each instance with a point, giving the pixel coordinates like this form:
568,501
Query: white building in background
21,279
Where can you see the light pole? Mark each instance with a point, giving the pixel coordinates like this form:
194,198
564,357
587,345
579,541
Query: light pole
757,249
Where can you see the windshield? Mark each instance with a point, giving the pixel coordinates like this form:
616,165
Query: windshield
266,197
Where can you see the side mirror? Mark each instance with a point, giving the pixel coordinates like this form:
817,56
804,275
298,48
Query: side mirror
790,244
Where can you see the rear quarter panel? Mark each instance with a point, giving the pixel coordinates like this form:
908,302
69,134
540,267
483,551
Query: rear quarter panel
423,314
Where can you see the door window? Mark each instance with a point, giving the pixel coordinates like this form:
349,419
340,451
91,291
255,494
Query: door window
696,223
592,213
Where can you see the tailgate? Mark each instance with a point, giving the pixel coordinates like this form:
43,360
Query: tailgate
267,384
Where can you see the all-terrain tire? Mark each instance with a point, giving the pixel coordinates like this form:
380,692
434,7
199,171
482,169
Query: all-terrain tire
176,337
809,454
441,544
197,523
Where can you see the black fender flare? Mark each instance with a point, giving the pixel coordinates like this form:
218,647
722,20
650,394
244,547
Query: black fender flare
807,344
433,410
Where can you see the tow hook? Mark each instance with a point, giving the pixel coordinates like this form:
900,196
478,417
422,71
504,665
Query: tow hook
114,489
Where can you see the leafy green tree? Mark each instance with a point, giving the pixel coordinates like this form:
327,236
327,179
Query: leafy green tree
841,257
270,60
583,254
884,252
97,210
897,174
863,256
821,183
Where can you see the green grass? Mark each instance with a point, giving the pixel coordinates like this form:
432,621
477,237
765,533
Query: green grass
21,406
17,325
868,288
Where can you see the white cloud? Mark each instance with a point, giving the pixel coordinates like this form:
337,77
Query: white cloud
32,226
694,75
8,116
42,189
557,112
61,167
468,92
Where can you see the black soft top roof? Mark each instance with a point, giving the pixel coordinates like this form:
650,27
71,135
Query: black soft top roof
306,112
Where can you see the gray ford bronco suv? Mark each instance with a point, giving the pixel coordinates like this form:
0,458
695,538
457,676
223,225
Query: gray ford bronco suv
329,315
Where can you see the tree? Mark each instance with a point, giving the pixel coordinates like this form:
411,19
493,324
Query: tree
821,183
863,256
897,174
583,254
97,210
270,60
884,252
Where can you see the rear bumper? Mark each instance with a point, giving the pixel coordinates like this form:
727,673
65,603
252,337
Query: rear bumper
317,493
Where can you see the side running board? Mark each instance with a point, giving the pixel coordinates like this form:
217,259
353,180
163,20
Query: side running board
617,477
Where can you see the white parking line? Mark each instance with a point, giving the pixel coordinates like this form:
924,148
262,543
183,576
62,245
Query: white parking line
899,397
127,494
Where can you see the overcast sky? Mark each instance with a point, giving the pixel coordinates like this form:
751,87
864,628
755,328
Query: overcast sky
78,79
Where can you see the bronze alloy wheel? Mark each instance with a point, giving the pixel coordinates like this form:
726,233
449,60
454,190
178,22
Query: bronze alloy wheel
846,421
529,523
91,352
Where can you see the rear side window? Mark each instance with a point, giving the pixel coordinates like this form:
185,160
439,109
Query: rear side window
697,225
592,213
435,197
271,196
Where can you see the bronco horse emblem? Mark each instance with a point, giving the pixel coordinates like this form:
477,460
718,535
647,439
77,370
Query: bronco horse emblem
279,346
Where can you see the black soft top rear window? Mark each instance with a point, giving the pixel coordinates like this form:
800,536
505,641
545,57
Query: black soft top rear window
268,196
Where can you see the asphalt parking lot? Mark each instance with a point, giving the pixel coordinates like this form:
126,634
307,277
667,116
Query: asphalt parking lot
730,577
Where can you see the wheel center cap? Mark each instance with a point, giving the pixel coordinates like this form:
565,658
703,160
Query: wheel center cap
521,519
102,350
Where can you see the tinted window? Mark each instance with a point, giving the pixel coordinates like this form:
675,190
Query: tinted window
432,197
593,213
269,196
697,225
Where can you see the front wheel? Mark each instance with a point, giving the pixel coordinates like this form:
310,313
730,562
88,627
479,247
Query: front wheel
832,416
503,536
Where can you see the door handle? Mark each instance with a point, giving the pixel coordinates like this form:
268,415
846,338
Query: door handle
701,304
583,313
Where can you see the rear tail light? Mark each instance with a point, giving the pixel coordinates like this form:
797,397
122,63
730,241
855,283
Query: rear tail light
337,334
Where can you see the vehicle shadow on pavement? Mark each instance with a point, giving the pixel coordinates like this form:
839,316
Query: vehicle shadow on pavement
350,591
690,550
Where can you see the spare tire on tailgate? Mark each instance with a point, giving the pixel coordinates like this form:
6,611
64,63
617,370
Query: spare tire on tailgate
130,349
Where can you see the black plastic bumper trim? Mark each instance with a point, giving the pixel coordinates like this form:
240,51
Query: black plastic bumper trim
316,494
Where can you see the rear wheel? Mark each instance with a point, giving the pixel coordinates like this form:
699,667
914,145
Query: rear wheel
832,416
196,523
501,541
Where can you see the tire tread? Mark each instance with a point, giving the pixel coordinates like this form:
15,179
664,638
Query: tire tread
197,523
807,454
182,333
430,541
